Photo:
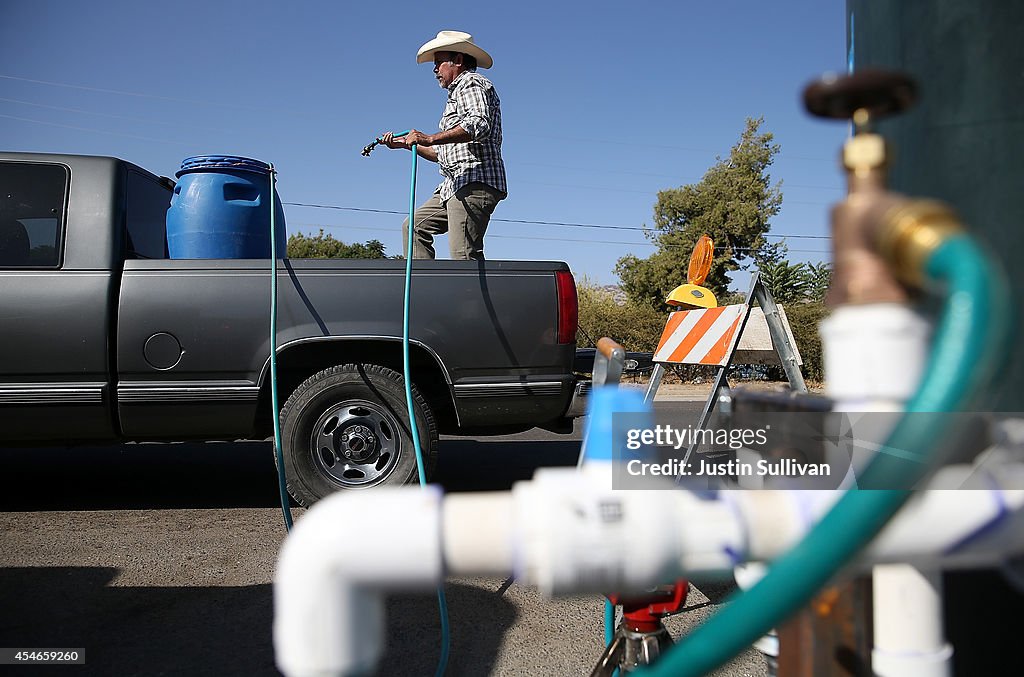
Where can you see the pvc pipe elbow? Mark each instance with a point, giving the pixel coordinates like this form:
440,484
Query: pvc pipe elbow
329,583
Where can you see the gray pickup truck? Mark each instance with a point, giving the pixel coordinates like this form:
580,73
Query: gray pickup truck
103,338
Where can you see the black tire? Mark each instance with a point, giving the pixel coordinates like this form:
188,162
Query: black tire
347,427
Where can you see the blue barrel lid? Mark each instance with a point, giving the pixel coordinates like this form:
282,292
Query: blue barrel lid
201,162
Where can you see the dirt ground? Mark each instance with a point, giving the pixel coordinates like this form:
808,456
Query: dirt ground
700,391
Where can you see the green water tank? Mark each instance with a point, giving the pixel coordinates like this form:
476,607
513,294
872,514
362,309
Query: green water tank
963,142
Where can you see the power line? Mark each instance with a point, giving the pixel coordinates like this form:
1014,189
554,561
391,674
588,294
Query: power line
107,115
303,114
162,97
662,175
562,137
97,131
606,189
182,143
321,206
535,223
559,239
126,93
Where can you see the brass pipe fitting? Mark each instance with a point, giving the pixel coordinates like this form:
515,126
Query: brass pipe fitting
910,231
865,154
860,274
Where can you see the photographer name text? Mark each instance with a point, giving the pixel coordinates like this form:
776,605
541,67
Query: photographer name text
700,467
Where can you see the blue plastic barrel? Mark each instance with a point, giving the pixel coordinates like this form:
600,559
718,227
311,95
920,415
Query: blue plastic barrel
220,210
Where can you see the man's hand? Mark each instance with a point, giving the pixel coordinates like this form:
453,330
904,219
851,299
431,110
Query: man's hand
413,137
418,138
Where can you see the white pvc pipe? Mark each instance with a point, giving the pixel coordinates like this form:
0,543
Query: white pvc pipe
570,532
477,533
574,533
874,355
905,646
338,559
874,358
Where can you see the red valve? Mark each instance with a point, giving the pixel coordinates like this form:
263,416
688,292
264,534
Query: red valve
643,613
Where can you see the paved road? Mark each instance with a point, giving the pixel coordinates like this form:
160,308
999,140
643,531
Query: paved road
158,559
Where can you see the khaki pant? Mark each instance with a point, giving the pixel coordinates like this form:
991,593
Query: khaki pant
464,217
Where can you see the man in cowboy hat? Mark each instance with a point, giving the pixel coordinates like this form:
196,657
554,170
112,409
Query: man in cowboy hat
467,148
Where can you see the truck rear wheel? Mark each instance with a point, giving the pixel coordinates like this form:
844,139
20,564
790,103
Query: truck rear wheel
347,427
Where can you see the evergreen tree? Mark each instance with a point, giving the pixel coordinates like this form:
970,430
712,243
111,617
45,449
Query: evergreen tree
732,203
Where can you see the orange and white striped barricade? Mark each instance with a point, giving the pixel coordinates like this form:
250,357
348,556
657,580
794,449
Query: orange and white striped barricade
700,336
710,336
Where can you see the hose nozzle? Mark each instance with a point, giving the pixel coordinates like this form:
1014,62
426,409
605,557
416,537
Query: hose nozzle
380,139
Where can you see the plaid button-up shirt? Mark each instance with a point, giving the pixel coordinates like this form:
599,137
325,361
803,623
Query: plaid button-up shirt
472,103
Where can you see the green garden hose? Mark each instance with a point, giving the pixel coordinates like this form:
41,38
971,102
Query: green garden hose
413,429
278,453
414,432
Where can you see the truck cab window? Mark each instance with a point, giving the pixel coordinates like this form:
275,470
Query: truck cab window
32,199
146,215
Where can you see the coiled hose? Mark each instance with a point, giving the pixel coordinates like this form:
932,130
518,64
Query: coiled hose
972,335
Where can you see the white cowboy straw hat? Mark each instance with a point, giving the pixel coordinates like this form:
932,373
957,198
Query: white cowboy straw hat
454,41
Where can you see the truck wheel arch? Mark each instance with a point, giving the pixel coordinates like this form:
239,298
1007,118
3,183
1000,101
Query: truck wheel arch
301,359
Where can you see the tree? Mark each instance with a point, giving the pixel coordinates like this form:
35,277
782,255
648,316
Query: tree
323,246
732,203
800,287
819,281
787,282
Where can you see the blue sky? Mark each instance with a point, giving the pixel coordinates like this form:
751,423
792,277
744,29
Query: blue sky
603,104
